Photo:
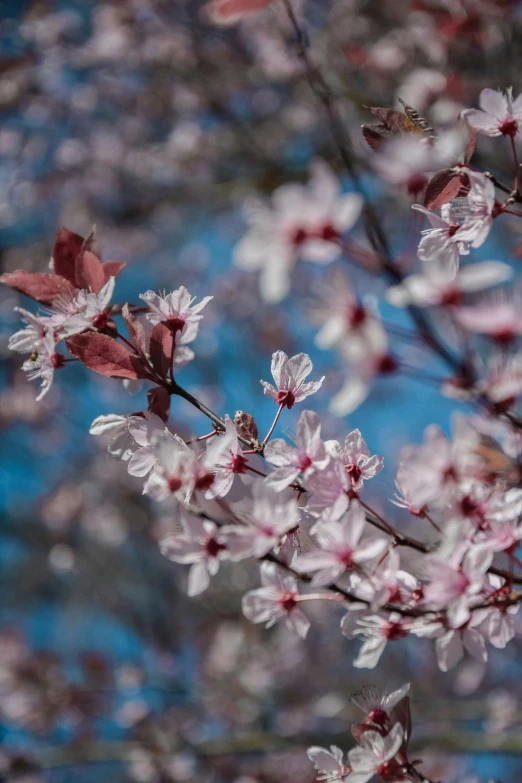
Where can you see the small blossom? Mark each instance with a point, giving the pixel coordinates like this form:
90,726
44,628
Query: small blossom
301,222
28,339
84,310
340,547
289,375
377,632
173,472
376,755
276,600
452,587
45,363
202,545
226,458
309,456
355,455
175,308
329,764
475,212
497,315
499,114
441,243
378,706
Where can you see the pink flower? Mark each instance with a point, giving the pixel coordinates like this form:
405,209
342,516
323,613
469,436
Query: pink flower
498,315
201,544
407,160
432,288
83,310
175,308
393,585
27,340
378,706
453,587
267,524
451,642
475,211
126,433
329,764
45,363
345,320
144,430
377,632
301,222
173,472
499,114
340,547
376,756
276,600
309,456
330,492
228,12
355,455
442,242
289,375
226,459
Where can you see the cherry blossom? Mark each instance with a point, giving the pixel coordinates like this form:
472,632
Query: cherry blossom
499,114
432,288
289,375
309,455
173,472
143,430
340,547
377,632
407,160
378,706
269,520
442,242
226,457
355,455
175,308
376,755
276,600
453,587
28,339
201,544
301,222
497,315
394,585
475,211
84,310
46,362
329,764
122,443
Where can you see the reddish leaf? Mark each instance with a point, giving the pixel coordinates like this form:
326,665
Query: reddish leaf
89,272
375,135
159,402
441,188
472,143
162,344
66,249
136,330
45,288
105,355
113,268
91,243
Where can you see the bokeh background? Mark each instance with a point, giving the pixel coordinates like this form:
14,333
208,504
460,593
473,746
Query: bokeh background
143,118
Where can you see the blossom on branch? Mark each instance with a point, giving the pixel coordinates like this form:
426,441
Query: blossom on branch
289,375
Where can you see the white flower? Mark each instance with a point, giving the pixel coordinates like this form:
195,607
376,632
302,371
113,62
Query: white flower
475,211
329,764
378,706
340,547
173,472
143,430
226,459
176,308
301,222
277,599
45,363
442,243
270,520
28,339
85,310
377,632
375,755
452,587
122,444
289,375
431,288
201,544
355,455
309,456
499,114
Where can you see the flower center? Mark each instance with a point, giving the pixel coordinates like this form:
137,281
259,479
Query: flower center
379,717
204,481
213,547
57,360
354,472
394,631
174,483
101,320
176,323
285,397
288,602
238,464
509,128
356,316
328,233
304,463
298,236
386,365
